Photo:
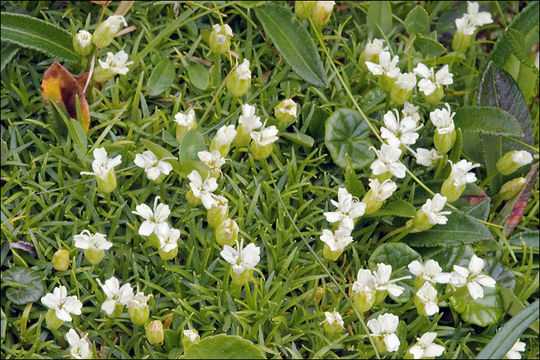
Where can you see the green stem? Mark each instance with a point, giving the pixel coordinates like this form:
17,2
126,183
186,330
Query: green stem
392,233
488,178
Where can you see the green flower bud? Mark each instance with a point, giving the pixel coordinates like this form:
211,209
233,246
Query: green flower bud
227,232
94,255
118,309
219,39
239,80
108,185
192,200
217,214
435,96
372,203
321,12
421,222
263,142
386,83
261,152
363,301
513,160
303,9
189,338
138,308
52,321
154,332
451,191
512,188
82,43
60,260
168,255
333,324
461,41
184,123
331,255
444,142
107,30
285,111
242,278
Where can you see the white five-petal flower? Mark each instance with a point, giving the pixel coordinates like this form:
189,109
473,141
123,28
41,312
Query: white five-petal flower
102,165
117,63
432,208
248,120
382,191
243,71
222,32
385,326
168,237
425,348
212,159
115,294
62,304
427,295
243,258
266,136
430,80
431,271
85,240
152,165
337,240
152,219
382,280
333,318
472,19
514,352
348,209
79,347
461,174
374,47
472,277
443,120
426,157
522,157
186,120
398,132
411,110
388,161
224,136
139,300
365,284
386,65
406,81
203,190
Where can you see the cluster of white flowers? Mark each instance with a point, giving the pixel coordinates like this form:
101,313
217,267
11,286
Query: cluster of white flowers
472,19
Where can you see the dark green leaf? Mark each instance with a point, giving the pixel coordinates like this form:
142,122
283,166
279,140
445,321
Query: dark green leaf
447,257
417,21
530,238
482,312
223,347
397,208
512,306
487,120
302,139
293,42
347,133
455,154
192,143
198,75
162,78
315,117
352,182
3,325
428,46
379,18
516,43
8,52
500,273
28,285
507,336
460,229
36,34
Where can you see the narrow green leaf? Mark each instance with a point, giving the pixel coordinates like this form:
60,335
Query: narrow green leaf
379,14
8,52
455,154
510,332
293,42
352,182
512,305
530,238
516,43
198,75
162,78
36,34
302,139
417,21
487,120
223,347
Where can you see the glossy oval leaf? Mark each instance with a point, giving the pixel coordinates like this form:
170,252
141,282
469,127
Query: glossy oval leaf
482,312
162,78
346,133
223,347
500,272
24,285
417,21
507,336
29,32
487,120
198,75
293,42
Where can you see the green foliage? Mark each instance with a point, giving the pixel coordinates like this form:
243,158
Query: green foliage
24,285
482,311
223,347
487,120
417,21
379,18
198,75
162,78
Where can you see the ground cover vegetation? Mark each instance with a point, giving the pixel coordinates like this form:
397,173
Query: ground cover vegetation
269,179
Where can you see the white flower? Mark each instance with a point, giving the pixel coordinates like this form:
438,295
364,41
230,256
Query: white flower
117,63
248,120
431,80
374,47
152,218
426,157
224,136
102,165
432,208
287,106
186,120
168,237
222,33
348,209
522,157
84,38
337,240
79,348
443,120
388,161
115,22
386,326
398,132
243,71
411,111
365,284
385,66
333,318
460,172
406,81
266,136
382,191
139,300
326,6
115,294
478,18
382,280
243,259
430,272
472,277
514,352
85,240
151,165
427,294
203,190
425,348
212,159
536,61
192,335
62,304
465,26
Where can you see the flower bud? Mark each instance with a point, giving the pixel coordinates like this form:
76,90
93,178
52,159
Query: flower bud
167,255
227,232
154,332
331,255
217,214
223,139
118,309
153,240
242,278
363,301
512,188
192,199
421,221
107,185
444,142
302,9
333,324
386,82
263,142
190,337
82,43
239,80
107,30
60,260
461,41
451,191
52,321
435,96
372,202
320,13
219,39
138,309
285,111
94,255
513,160
184,123
261,152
